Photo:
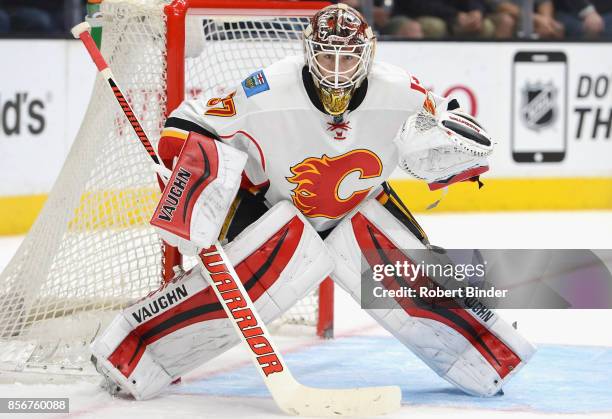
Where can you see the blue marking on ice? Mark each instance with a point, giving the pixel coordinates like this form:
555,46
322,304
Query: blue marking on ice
559,379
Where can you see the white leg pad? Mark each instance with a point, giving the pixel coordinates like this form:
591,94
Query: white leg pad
279,258
475,354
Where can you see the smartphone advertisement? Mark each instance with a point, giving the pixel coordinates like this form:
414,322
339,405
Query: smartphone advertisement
539,107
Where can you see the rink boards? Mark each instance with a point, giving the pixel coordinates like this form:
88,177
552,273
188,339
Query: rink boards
552,153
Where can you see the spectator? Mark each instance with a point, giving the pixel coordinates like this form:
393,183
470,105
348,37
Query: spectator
584,18
544,23
5,24
385,24
503,19
439,18
35,16
401,26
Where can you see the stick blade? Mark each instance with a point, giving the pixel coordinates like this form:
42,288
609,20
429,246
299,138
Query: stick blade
365,401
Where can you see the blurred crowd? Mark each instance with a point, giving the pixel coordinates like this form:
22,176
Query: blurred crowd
40,17
491,19
432,19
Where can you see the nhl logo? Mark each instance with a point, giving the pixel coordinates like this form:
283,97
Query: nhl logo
539,105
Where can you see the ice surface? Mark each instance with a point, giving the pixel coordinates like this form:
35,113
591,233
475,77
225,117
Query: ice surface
570,379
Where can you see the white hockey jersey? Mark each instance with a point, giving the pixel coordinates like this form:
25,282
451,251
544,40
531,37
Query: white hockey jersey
326,166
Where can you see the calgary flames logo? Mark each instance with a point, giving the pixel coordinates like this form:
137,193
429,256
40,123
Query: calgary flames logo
318,181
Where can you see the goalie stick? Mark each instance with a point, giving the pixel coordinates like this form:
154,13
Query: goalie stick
290,396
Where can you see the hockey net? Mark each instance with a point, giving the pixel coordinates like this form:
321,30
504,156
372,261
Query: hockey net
91,251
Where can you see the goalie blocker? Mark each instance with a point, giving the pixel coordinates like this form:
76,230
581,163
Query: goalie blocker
199,194
279,259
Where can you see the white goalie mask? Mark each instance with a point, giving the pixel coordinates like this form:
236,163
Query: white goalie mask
339,47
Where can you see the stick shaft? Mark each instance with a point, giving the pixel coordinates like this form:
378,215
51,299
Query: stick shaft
93,50
104,69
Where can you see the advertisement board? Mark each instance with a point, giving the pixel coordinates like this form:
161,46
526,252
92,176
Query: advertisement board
502,84
548,106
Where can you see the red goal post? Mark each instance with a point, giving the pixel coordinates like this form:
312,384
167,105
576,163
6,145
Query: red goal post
176,39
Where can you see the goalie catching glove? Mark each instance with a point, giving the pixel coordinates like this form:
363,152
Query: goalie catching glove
443,147
198,196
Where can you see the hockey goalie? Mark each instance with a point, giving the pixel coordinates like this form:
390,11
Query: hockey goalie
289,172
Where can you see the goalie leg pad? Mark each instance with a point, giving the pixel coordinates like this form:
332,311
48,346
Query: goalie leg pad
173,330
478,354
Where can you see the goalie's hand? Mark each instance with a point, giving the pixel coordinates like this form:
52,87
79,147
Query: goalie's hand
198,195
443,147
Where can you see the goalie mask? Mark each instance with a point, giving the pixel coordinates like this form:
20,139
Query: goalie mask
339,47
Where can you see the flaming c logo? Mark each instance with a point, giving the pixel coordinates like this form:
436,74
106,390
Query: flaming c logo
318,182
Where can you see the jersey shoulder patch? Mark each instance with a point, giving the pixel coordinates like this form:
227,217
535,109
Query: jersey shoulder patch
255,83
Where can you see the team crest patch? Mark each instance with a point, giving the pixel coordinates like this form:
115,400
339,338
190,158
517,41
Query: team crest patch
255,83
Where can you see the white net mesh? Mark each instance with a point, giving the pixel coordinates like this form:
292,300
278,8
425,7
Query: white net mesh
91,250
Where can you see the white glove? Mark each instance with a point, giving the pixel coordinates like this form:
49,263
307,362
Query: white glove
443,147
